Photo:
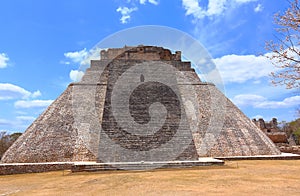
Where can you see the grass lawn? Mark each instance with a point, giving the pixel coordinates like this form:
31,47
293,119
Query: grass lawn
265,177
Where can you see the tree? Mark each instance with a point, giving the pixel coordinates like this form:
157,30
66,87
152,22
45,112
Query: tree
285,51
7,140
294,126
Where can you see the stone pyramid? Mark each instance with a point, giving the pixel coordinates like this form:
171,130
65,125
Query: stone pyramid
139,104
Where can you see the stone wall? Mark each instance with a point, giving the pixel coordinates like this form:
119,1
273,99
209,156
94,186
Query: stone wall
148,53
271,130
267,127
290,149
21,168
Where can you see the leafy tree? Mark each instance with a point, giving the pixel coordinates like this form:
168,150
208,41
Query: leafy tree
7,140
295,129
285,51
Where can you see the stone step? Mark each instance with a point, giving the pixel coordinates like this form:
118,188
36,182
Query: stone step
138,166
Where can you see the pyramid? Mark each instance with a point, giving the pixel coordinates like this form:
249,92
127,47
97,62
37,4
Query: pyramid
139,104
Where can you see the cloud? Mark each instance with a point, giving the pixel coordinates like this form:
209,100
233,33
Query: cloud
286,103
192,8
241,68
213,7
153,2
125,12
19,123
219,24
82,57
32,103
248,99
93,54
77,56
258,8
76,75
258,101
245,1
26,118
11,91
3,60
36,94
5,122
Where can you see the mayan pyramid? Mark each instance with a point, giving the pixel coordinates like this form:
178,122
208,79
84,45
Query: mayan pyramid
139,104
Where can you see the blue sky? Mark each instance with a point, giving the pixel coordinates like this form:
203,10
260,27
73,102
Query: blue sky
42,44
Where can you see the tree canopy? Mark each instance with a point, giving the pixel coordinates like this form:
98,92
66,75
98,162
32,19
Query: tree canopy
6,140
285,49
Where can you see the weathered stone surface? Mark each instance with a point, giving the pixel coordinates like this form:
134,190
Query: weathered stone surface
290,149
75,125
8,169
279,137
272,130
51,137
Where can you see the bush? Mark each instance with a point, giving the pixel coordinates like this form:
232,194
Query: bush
7,140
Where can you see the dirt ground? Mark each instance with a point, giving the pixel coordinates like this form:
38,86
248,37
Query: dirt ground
280,177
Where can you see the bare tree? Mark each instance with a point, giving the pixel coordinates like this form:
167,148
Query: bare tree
285,51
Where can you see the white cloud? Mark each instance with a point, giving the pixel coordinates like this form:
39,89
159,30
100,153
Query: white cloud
36,94
11,91
32,103
286,103
213,7
192,8
77,56
76,75
94,54
154,2
19,123
240,68
125,12
4,122
245,1
82,57
258,101
248,99
21,113
258,8
25,118
3,60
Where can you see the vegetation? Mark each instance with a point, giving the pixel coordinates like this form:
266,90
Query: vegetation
285,51
292,128
6,140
